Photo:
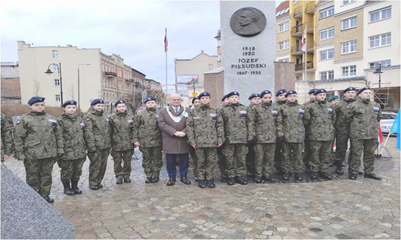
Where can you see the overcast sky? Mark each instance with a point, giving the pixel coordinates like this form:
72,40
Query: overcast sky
132,29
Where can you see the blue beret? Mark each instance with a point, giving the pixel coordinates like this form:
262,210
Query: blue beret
349,89
312,91
317,91
232,94
150,99
265,92
35,100
223,98
253,95
203,94
290,92
96,101
332,98
281,91
69,102
362,89
118,102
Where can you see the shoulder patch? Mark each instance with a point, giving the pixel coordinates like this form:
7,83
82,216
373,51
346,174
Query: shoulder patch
88,119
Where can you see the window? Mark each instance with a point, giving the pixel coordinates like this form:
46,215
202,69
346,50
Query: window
348,47
56,68
346,2
326,33
283,27
210,66
348,23
102,67
119,73
327,54
283,45
380,40
58,99
380,14
56,82
327,75
375,65
348,71
327,12
55,53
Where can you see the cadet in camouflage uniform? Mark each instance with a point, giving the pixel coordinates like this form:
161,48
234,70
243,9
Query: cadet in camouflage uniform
235,117
364,116
7,145
342,127
254,100
307,152
97,136
38,141
205,134
333,100
321,117
278,153
148,137
195,103
222,162
290,126
71,162
122,141
262,132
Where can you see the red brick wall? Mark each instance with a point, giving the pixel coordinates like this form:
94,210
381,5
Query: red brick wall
10,88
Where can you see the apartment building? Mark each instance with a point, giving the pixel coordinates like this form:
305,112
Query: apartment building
10,84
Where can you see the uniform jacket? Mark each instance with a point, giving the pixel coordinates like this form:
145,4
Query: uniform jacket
97,130
236,123
290,122
122,131
263,126
321,117
146,130
38,136
364,116
170,122
205,127
72,127
343,123
7,144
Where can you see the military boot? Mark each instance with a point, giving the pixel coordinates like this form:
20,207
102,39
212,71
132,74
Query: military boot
127,179
313,175
285,176
339,167
352,176
67,188
326,175
75,187
48,199
268,178
148,180
298,177
94,187
201,183
258,180
210,184
155,179
231,181
119,180
372,176
241,180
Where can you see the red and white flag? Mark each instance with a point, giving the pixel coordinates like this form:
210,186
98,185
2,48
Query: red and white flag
165,41
303,41
380,137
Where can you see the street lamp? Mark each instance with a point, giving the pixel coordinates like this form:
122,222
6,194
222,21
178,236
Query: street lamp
379,71
79,94
49,72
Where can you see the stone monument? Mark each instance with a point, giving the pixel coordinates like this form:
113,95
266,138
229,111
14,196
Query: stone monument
248,45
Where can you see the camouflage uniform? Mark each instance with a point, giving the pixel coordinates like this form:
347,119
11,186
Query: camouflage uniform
278,153
122,143
7,145
290,125
236,134
38,140
205,129
71,162
194,159
97,136
221,162
307,151
149,135
342,127
364,117
250,157
263,128
321,117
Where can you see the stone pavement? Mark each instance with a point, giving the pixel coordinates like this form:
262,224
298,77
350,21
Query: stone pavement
329,209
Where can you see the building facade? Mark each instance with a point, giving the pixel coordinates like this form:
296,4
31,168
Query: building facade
10,83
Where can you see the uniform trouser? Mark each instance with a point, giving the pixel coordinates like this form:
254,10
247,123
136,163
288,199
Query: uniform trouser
207,158
152,160
320,155
307,151
264,158
98,164
194,160
221,161
39,174
119,158
292,157
250,160
71,170
235,155
278,155
368,147
341,148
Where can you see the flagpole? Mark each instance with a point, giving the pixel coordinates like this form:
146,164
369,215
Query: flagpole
165,49
305,60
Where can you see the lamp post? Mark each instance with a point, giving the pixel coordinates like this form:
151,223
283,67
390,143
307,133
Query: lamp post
379,71
79,93
49,72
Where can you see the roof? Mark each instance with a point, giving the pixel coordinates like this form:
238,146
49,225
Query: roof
133,69
356,78
283,9
177,59
216,70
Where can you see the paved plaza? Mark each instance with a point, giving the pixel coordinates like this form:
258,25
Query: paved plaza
339,209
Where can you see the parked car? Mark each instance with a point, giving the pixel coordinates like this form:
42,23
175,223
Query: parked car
387,121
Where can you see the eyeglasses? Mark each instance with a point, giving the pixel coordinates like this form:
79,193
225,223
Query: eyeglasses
175,99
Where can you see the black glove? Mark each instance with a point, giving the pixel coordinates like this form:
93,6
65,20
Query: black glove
279,139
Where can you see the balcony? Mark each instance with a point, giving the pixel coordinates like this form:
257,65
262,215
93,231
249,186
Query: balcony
297,30
301,67
297,12
110,74
297,49
310,8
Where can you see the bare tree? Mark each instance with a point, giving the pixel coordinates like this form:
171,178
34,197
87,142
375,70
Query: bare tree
36,87
71,92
